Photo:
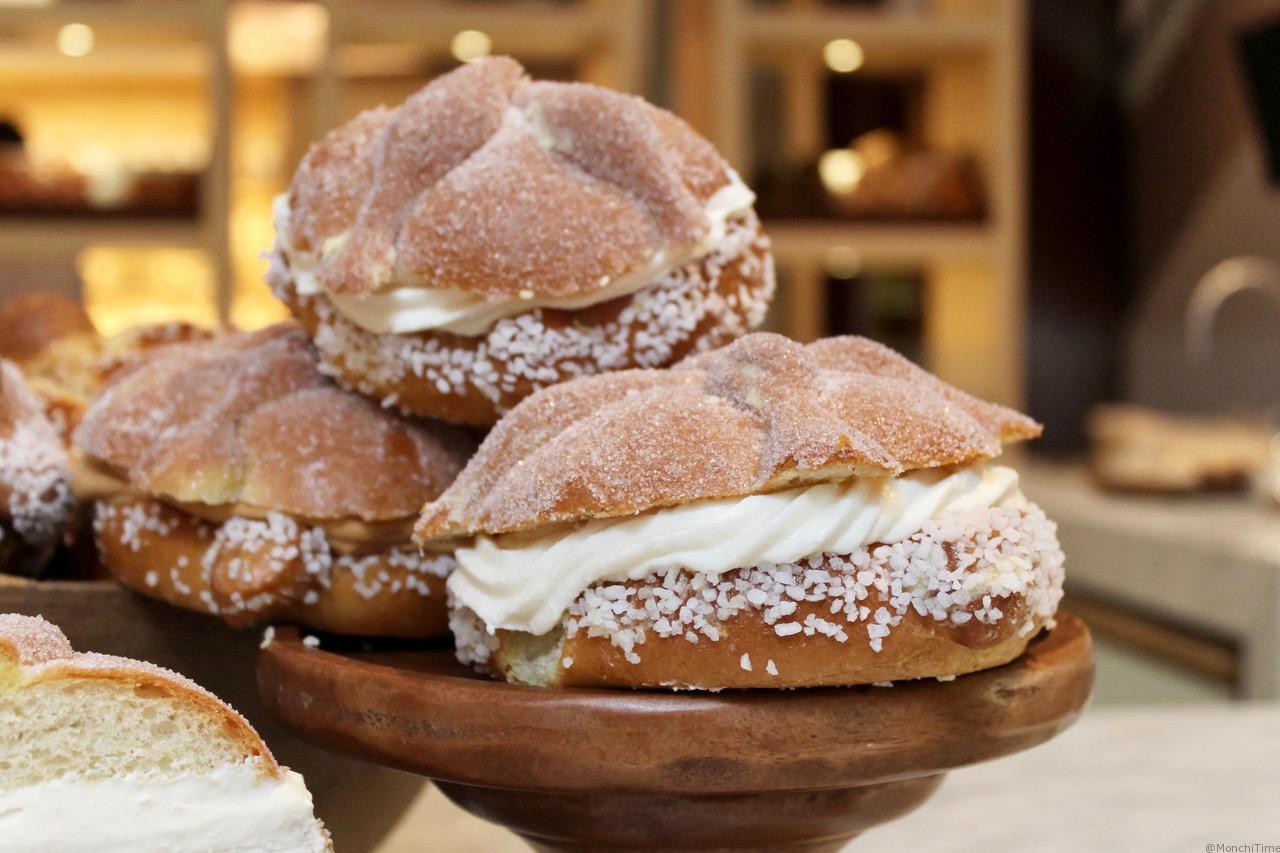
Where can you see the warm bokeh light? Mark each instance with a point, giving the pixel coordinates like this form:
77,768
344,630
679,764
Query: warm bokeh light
840,170
126,287
470,45
75,39
277,37
843,55
842,262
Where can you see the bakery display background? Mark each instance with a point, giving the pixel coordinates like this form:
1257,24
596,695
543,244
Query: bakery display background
1019,195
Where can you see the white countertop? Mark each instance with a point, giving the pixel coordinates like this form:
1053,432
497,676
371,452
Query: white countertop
1131,780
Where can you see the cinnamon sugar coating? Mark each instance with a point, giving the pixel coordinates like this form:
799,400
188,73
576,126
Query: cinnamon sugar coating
761,414
247,418
488,182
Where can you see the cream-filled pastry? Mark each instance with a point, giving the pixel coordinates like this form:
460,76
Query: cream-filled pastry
108,755
495,235
764,515
232,478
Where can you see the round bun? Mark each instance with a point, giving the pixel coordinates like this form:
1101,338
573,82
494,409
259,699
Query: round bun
966,591
35,494
249,571
31,322
762,414
275,493
488,183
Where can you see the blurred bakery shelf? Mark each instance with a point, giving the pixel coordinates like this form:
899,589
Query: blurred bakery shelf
70,233
131,100
809,241
898,36
771,83
383,52
235,90
1188,577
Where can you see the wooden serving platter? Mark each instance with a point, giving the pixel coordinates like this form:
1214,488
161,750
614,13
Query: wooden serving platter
581,769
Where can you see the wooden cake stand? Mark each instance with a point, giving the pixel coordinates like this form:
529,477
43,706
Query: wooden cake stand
581,769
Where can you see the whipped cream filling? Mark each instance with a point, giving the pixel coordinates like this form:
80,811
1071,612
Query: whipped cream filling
516,583
233,808
412,306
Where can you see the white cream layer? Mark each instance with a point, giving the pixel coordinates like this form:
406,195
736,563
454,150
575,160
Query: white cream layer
414,307
516,584
233,808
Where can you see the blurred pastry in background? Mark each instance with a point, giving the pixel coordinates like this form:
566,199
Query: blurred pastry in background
1138,449
110,754
495,235
763,515
232,478
880,176
35,495
29,323
66,361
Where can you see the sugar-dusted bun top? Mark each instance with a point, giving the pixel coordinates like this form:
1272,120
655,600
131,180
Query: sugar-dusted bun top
761,414
31,322
247,418
35,494
489,182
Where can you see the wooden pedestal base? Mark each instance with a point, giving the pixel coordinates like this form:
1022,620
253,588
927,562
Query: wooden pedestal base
777,820
578,769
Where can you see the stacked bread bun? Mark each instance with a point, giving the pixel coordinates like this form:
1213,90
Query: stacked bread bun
665,501
109,754
232,478
764,515
494,235
35,495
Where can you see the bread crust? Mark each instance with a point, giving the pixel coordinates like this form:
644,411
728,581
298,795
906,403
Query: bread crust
163,552
488,182
33,650
249,418
762,414
475,380
919,647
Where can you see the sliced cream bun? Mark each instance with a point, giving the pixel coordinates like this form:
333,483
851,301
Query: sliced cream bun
107,754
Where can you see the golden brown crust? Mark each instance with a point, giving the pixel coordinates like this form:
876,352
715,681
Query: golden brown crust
35,650
31,322
488,182
474,380
248,418
271,572
919,647
761,414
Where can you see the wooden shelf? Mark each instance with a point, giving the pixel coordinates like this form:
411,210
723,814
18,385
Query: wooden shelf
896,30
808,241
970,59
529,27
60,234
